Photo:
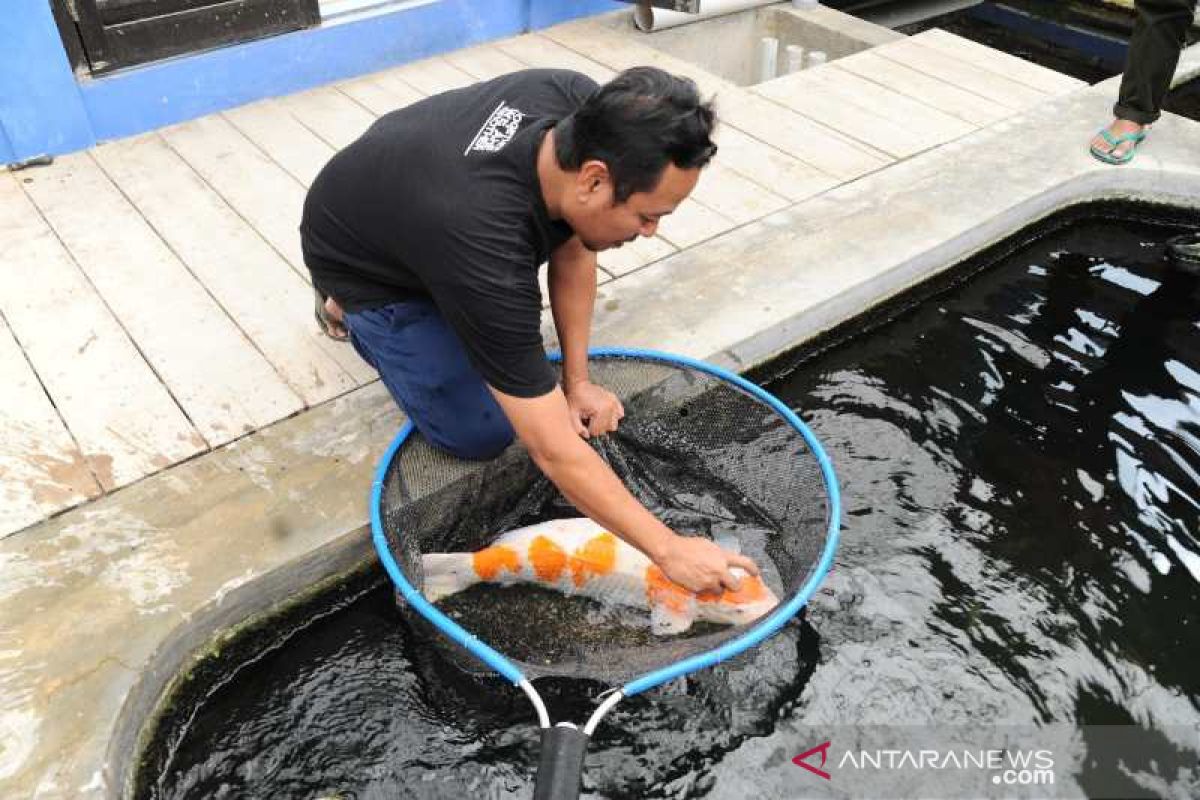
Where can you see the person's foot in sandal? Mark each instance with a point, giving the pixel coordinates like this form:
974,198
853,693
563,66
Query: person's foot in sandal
1118,143
329,318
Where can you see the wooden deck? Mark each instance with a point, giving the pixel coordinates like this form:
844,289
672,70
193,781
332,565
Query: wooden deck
153,301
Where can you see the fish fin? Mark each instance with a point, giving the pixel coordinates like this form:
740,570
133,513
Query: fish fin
672,617
447,574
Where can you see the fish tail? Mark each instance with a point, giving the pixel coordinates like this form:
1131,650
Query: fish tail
447,574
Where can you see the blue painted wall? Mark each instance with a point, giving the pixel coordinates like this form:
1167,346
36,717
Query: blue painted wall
40,107
45,108
544,13
6,151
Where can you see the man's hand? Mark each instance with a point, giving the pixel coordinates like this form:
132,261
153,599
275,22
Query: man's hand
700,565
594,409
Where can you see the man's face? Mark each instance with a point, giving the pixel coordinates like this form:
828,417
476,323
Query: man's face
602,224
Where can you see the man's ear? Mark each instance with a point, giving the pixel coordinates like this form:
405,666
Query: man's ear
593,175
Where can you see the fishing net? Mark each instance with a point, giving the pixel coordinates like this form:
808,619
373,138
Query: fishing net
704,454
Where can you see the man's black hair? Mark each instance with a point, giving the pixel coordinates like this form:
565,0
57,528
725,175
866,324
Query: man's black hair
636,124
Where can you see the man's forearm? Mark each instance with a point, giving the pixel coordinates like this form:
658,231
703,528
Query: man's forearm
572,296
592,487
544,425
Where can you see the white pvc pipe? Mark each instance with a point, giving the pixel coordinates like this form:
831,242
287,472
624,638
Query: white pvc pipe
768,58
599,713
795,58
648,19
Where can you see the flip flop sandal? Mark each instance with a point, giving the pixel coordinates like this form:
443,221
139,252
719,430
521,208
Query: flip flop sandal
1113,141
329,326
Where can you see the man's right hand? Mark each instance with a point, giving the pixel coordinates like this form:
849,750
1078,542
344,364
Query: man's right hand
700,565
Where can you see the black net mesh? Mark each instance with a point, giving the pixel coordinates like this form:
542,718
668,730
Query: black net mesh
704,455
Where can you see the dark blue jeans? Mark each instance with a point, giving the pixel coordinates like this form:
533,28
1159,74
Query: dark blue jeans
424,365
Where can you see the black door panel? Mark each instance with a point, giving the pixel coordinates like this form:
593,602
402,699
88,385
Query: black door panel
104,35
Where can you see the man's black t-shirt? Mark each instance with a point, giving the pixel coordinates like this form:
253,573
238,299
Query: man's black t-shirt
442,199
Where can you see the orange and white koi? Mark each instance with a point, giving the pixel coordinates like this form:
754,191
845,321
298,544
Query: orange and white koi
577,556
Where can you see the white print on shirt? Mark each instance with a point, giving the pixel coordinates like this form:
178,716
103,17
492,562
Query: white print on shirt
500,127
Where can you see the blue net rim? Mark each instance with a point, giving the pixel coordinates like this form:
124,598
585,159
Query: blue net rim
753,635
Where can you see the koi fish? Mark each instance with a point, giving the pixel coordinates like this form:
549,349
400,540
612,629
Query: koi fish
577,556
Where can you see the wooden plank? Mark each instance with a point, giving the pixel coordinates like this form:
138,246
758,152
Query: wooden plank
539,51
929,89
260,190
767,166
634,255
330,114
316,150
484,63
221,381
254,285
282,138
897,108
432,76
801,137
1012,67
41,469
691,223
393,81
124,420
618,50
839,110
380,95
736,197
370,95
957,72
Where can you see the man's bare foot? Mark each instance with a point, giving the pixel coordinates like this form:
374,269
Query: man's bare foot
1118,128
330,318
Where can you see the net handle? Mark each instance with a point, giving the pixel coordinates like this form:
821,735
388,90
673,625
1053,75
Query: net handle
564,749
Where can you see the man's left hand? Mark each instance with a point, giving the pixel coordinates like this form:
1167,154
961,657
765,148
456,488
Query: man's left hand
594,409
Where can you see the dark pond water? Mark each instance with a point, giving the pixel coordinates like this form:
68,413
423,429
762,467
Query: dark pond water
1020,461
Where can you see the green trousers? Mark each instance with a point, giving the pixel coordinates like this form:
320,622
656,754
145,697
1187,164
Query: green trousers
1158,36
